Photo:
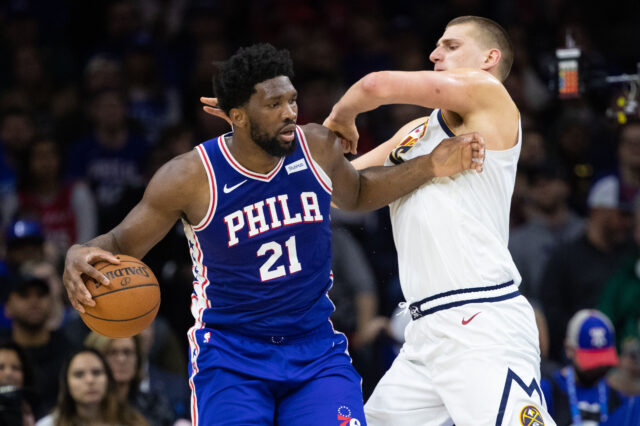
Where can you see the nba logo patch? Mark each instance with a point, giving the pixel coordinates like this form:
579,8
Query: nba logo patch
530,416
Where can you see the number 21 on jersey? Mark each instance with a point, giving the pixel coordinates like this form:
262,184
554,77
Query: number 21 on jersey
267,270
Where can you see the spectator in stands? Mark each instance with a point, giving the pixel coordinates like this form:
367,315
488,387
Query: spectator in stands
577,271
160,379
24,242
111,158
17,130
550,222
355,297
66,209
45,270
629,160
29,307
626,378
578,393
125,358
619,299
627,415
89,395
151,102
16,386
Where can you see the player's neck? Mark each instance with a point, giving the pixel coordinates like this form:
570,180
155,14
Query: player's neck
250,156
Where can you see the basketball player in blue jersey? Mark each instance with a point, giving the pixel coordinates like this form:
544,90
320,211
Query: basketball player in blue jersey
471,353
255,208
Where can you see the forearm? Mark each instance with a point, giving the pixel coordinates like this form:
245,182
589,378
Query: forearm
360,97
378,186
458,91
106,242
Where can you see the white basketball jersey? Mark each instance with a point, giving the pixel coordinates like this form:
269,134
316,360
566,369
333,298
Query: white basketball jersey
452,233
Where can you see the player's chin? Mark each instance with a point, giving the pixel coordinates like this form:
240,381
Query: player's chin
285,141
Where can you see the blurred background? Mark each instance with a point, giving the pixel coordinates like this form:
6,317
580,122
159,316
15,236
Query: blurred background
95,96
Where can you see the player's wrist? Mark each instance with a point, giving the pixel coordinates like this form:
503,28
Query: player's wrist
429,167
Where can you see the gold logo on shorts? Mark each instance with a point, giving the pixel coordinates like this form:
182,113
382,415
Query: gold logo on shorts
530,416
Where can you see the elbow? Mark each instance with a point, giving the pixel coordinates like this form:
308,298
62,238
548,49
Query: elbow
373,84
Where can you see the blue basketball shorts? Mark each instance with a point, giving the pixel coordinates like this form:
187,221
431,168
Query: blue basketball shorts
241,380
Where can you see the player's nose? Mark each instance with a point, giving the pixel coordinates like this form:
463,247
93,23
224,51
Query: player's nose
290,112
435,55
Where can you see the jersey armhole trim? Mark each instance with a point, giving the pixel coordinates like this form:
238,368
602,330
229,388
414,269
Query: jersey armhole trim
213,199
444,125
320,174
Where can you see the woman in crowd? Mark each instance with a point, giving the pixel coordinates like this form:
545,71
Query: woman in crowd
16,386
126,360
88,395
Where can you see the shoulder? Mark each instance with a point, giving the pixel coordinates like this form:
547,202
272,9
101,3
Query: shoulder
324,145
315,131
179,179
182,169
484,88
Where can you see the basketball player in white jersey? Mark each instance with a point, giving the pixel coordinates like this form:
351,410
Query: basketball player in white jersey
471,353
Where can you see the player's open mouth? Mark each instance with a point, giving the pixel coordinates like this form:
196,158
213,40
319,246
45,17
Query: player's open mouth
288,133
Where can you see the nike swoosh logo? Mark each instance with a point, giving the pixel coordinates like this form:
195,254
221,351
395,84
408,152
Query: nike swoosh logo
465,322
227,189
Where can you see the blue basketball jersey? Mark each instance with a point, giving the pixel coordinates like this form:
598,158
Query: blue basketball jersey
262,254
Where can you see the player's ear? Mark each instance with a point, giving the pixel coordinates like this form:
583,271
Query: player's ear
239,117
492,58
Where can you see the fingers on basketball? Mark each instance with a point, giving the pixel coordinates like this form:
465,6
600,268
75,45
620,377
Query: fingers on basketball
129,304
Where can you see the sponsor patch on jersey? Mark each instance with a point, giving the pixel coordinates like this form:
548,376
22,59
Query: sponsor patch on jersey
407,143
296,166
530,416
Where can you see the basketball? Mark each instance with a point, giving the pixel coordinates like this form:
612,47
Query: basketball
126,306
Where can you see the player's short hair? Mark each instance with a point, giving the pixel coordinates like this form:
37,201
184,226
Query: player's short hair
235,81
492,35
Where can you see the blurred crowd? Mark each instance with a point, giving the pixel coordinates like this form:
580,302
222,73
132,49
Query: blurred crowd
95,96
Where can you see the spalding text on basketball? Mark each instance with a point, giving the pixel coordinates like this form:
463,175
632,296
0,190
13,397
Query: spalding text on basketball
127,271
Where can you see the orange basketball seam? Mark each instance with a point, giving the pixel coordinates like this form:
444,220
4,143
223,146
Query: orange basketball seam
126,288
123,320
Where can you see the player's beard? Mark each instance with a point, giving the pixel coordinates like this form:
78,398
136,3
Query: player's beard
270,143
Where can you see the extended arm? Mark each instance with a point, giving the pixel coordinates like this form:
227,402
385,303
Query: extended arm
461,91
375,187
168,197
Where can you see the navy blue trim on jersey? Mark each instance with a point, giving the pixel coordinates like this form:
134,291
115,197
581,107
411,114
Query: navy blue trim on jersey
416,311
513,377
444,125
465,290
